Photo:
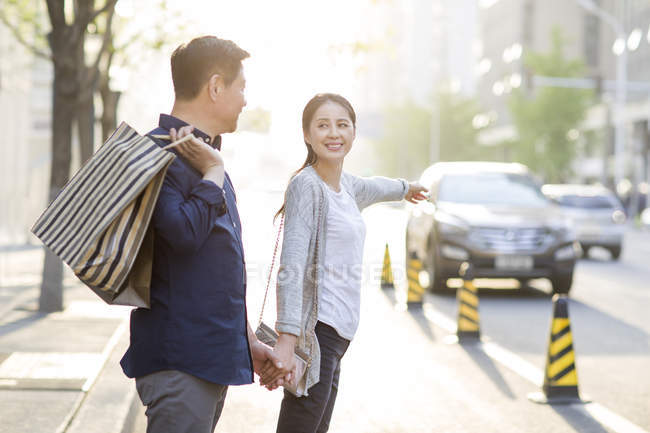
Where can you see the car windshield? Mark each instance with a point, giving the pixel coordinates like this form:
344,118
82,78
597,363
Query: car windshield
491,189
585,202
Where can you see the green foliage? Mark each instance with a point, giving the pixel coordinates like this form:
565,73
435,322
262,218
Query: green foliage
27,21
404,147
544,119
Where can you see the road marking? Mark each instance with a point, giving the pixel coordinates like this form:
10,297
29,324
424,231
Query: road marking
534,375
609,418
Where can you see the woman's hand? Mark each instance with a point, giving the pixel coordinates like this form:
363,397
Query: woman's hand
283,353
415,193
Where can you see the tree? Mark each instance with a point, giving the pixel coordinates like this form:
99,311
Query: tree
72,85
545,118
404,146
79,76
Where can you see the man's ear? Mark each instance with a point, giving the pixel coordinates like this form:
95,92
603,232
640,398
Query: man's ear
215,86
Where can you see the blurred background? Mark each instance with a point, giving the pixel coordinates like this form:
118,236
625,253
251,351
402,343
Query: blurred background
560,85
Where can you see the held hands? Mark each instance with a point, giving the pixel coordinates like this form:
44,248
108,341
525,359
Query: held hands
265,362
415,193
283,352
200,155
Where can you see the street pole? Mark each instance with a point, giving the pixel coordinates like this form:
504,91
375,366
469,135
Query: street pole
621,100
434,135
621,86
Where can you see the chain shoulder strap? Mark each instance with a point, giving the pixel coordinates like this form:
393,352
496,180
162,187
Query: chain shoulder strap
316,255
268,281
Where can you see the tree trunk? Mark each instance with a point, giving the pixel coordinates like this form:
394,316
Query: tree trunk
110,100
65,89
86,123
64,86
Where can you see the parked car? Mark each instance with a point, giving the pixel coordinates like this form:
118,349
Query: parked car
494,216
596,213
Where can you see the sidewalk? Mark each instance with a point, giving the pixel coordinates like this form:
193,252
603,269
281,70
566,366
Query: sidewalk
60,372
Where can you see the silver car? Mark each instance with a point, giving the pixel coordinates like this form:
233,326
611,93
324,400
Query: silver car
494,216
597,215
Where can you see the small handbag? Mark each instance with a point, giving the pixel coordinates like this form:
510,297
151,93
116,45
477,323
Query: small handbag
268,336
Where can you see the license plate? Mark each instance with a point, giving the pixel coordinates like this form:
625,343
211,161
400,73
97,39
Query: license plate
513,262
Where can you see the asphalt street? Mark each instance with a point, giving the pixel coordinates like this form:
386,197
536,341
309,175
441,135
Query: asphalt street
404,373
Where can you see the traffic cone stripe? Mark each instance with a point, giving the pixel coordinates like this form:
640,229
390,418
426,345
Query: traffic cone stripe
557,367
415,289
465,324
559,326
413,274
561,335
469,312
570,379
560,345
469,298
555,378
557,356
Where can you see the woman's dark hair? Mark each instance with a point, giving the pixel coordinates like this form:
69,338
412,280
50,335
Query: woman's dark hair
307,115
195,62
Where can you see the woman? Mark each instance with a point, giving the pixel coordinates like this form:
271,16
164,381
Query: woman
319,279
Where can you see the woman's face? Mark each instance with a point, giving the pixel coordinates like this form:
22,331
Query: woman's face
331,132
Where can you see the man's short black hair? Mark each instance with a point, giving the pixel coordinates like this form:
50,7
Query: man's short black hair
195,62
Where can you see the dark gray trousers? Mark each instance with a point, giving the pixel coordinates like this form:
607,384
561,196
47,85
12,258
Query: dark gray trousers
178,402
312,414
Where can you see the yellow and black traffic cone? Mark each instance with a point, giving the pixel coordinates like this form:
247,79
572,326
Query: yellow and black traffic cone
560,376
468,329
415,290
387,272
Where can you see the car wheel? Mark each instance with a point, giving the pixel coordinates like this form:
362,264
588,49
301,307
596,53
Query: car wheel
615,252
562,283
436,283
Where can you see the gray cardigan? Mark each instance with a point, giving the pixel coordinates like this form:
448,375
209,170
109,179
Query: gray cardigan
306,208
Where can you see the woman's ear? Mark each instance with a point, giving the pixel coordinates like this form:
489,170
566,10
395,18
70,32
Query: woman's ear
306,137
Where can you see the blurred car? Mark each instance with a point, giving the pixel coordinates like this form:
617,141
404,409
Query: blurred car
494,216
597,215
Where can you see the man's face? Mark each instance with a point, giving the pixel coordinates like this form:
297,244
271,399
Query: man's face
231,101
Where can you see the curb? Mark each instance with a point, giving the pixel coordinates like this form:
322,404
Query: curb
111,405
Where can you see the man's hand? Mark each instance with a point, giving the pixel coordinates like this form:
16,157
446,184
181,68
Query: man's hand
283,352
264,360
205,159
415,193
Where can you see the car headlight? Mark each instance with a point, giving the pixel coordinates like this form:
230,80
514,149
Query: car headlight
450,225
618,217
568,252
563,231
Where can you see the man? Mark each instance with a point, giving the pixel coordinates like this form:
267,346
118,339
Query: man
195,340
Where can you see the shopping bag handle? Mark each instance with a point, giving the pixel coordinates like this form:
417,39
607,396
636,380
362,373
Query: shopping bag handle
175,143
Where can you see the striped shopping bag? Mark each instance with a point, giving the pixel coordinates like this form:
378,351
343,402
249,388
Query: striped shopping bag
99,222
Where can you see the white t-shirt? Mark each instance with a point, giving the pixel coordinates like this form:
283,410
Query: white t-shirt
340,290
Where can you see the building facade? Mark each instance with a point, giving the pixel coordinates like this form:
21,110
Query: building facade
510,28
